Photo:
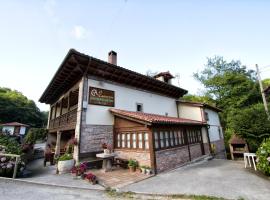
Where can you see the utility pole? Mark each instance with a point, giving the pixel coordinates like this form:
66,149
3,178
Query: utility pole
262,92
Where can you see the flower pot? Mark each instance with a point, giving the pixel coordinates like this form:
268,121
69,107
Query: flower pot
132,168
65,166
107,151
148,171
143,170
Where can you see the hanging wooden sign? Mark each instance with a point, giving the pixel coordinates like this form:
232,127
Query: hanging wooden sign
98,96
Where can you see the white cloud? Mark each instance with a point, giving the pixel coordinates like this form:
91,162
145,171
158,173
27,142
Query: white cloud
79,32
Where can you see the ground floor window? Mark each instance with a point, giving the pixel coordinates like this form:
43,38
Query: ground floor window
132,140
164,139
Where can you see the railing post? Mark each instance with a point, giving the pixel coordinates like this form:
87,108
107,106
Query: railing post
15,168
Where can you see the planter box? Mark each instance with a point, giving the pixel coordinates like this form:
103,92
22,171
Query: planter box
65,166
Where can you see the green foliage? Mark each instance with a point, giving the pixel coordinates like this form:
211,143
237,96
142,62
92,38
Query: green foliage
14,106
35,134
266,83
132,163
66,156
263,157
236,91
250,123
11,145
229,83
202,99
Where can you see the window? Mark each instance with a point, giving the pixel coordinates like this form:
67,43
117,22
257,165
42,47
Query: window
139,107
146,143
171,138
118,140
123,140
128,140
167,138
134,140
206,116
219,133
140,141
161,138
156,140
176,140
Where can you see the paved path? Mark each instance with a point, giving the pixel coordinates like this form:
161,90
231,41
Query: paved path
219,178
47,175
15,190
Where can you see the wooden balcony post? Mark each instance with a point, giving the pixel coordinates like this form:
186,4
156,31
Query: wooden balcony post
58,143
61,106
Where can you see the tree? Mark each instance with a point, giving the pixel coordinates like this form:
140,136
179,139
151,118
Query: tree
236,91
14,106
250,123
201,99
230,84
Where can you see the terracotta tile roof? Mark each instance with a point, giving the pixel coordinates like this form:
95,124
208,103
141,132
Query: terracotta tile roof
154,118
237,140
14,124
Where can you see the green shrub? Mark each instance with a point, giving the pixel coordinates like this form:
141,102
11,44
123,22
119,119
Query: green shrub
35,134
65,157
11,145
132,163
263,157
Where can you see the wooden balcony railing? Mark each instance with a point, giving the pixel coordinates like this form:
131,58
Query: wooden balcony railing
64,122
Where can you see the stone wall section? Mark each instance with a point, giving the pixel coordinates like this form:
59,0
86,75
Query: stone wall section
195,151
206,148
171,158
220,149
92,137
143,157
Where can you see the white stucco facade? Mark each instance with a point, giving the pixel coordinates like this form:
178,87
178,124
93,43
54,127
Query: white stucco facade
126,98
190,112
215,130
197,113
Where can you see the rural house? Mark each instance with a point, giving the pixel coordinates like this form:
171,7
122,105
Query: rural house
15,128
97,101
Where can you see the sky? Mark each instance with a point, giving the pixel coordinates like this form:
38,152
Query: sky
151,35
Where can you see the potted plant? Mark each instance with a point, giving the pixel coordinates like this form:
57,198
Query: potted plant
65,163
132,164
143,169
91,178
148,170
106,148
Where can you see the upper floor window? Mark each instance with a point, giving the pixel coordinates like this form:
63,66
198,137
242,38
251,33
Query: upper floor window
139,107
206,116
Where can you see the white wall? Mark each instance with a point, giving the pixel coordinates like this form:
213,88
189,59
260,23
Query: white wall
189,112
126,99
215,125
10,129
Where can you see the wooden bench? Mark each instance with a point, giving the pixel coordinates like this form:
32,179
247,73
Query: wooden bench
120,162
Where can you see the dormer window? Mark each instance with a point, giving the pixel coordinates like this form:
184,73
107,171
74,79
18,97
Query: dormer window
139,107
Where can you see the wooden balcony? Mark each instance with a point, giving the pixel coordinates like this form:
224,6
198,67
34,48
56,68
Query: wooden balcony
64,122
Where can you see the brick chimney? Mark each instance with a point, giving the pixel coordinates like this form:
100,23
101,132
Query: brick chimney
112,57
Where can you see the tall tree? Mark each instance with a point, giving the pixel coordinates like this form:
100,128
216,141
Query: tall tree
230,84
14,106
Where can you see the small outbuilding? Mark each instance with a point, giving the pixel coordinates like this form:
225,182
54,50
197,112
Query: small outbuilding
238,146
14,128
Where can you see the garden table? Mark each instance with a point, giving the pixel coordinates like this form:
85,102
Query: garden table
107,161
248,158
